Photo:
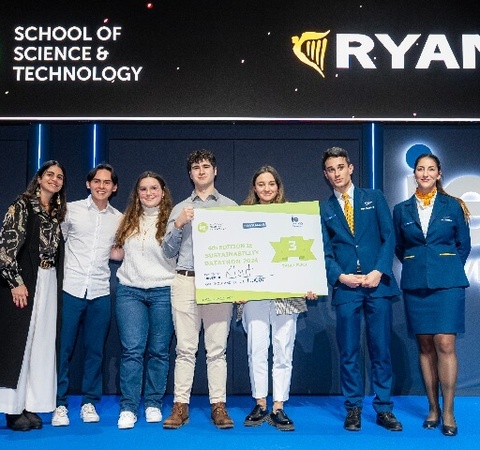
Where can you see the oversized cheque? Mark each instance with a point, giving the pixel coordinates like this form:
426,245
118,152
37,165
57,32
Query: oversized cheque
258,252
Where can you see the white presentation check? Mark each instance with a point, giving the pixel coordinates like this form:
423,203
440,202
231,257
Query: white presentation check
258,252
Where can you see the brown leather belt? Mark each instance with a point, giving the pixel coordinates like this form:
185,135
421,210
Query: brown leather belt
186,273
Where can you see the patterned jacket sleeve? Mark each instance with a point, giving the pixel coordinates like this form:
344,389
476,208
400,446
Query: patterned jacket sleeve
12,237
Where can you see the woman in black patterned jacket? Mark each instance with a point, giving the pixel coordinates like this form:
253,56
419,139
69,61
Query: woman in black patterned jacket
31,271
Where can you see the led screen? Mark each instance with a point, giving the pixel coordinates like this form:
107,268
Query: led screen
239,59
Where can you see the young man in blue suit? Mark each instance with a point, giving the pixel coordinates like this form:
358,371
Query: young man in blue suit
359,244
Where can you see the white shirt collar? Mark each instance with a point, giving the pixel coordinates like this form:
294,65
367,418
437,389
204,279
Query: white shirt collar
350,190
92,204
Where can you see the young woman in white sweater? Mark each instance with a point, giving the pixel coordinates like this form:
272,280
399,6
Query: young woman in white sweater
143,310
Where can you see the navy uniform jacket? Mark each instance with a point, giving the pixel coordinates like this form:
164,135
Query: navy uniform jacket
372,246
436,261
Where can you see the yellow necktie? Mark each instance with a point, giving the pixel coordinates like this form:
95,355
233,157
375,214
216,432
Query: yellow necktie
348,210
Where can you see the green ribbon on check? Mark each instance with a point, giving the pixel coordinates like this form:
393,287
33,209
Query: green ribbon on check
293,247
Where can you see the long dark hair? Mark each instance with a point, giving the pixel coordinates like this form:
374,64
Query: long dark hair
58,202
130,224
439,184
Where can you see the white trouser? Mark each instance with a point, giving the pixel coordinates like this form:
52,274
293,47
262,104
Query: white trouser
37,385
258,317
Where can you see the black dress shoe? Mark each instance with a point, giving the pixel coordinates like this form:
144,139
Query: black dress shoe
18,422
256,417
281,421
449,431
431,424
388,421
353,421
35,421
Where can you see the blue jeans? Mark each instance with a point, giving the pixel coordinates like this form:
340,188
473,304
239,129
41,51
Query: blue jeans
95,316
144,319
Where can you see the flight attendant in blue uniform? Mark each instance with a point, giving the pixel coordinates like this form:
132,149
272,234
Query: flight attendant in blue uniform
433,243
359,244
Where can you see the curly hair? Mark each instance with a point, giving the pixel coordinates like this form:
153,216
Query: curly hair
130,224
199,156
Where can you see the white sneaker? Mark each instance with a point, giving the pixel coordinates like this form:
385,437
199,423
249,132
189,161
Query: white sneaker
153,414
126,420
60,417
89,414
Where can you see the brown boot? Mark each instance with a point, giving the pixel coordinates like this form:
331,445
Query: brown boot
178,417
220,416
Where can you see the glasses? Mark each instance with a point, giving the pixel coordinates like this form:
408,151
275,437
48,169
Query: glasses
149,190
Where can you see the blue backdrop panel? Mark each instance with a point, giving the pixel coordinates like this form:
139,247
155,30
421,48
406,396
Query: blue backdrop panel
295,150
297,156
14,145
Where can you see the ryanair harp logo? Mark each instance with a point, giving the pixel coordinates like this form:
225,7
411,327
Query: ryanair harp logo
310,49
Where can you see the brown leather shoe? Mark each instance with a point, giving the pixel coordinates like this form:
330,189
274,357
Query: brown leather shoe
178,417
220,416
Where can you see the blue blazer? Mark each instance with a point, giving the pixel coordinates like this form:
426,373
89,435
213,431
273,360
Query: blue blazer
436,261
372,245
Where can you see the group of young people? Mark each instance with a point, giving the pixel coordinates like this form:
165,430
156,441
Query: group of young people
55,280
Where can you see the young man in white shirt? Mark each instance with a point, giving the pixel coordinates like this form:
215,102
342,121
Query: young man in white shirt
89,231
